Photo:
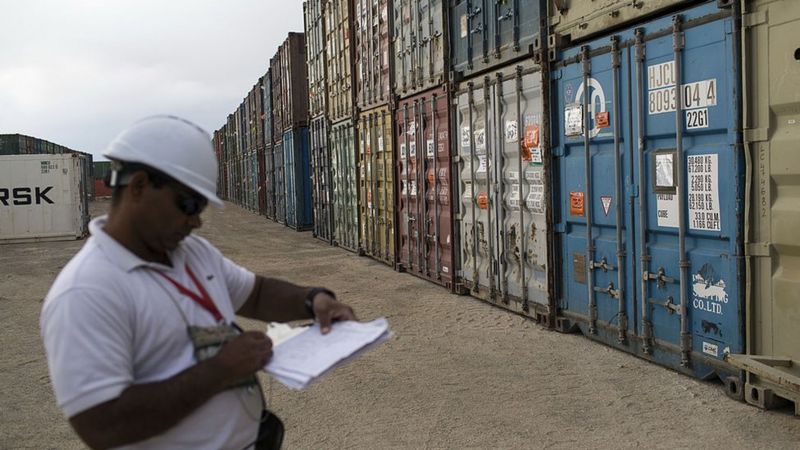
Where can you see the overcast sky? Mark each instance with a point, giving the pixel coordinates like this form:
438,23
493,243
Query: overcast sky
76,72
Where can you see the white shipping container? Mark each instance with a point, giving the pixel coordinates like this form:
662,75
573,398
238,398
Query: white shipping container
42,197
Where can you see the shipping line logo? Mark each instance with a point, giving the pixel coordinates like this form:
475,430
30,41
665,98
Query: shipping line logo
21,196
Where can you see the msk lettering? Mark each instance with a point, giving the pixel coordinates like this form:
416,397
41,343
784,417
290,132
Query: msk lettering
20,196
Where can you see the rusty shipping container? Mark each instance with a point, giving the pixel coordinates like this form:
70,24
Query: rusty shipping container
315,26
373,53
269,182
503,182
340,55
320,179
488,34
343,142
376,184
420,45
277,97
262,181
294,82
424,205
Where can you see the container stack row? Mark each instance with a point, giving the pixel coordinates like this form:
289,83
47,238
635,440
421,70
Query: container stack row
623,169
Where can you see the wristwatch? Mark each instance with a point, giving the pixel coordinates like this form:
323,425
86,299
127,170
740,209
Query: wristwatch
309,301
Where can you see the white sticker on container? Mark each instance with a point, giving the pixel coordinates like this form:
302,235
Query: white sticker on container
711,349
429,148
667,210
513,175
467,195
536,155
697,118
445,269
665,170
380,143
573,120
412,149
703,179
534,176
482,165
535,201
513,198
700,94
413,188
464,27
465,135
403,151
480,140
512,133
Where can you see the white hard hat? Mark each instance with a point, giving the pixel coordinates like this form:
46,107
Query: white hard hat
174,146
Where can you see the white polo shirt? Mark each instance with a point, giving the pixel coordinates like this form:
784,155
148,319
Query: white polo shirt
108,322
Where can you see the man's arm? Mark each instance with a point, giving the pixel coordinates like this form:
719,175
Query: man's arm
276,300
146,410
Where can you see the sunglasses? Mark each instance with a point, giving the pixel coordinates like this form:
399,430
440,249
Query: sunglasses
190,204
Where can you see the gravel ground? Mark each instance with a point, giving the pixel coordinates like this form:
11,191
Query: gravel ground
459,373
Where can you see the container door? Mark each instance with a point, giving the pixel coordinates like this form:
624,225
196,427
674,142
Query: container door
320,181
280,184
269,181
377,191
649,203
345,185
290,182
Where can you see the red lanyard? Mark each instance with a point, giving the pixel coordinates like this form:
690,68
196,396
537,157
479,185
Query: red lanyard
203,299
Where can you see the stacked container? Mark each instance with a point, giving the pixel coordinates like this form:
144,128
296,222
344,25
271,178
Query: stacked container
296,157
342,113
649,183
315,26
278,192
373,56
503,174
269,163
424,205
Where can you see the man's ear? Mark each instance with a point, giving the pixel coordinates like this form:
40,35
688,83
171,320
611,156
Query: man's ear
137,184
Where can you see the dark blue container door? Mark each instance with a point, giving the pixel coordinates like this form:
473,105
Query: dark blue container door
297,162
690,324
280,185
291,192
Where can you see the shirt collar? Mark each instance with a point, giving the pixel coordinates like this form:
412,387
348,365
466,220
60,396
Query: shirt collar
124,258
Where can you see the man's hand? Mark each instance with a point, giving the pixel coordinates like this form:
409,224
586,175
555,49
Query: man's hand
243,356
327,310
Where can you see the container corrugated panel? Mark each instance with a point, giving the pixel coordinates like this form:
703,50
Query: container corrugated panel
259,114
294,81
772,102
424,205
485,34
575,20
502,190
320,179
252,203
9,144
277,97
373,53
315,52
266,106
344,174
376,184
101,169
649,190
297,172
340,56
270,180
420,45
43,197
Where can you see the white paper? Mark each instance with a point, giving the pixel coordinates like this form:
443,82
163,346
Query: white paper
304,357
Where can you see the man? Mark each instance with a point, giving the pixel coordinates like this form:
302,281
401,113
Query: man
138,326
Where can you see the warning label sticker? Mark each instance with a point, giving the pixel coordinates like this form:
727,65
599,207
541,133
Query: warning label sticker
512,135
606,201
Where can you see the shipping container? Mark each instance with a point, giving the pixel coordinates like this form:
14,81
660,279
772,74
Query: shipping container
420,45
294,82
320,179
262,181
772,100
252,168
314,18
424,203
503,175
376,184
486,34
280,182
373,53
277,97
574,21
297,173
340,55
270,182
44,197
342,142
266,106
650,188
258,94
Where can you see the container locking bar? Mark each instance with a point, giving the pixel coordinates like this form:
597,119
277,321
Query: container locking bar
603,265
660,276
669,304
615,293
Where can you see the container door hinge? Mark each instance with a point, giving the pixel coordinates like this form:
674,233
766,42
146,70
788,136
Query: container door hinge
756,134
559,227
557,152
759,249
753,19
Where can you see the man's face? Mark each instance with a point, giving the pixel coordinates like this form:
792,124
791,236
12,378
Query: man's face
169,214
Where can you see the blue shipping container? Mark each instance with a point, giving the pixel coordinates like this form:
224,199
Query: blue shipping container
298,179
485,34
649,202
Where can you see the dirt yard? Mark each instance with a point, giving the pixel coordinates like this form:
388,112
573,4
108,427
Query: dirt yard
458,374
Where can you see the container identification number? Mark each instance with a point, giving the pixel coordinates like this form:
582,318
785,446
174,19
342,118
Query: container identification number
700,94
